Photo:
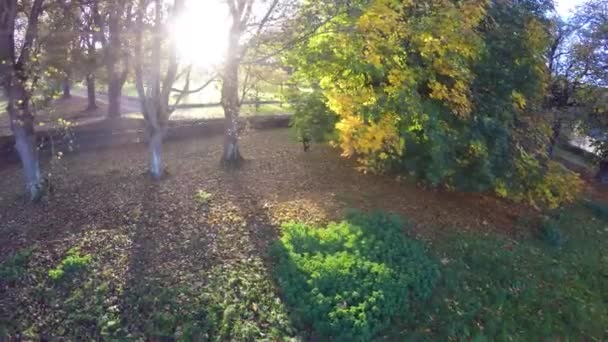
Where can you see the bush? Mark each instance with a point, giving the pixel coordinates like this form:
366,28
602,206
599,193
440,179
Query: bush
311,120
350,279
550,188
551,233
202,197
14,267
73,262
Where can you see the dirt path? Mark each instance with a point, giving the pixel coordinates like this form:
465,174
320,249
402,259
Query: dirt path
128,104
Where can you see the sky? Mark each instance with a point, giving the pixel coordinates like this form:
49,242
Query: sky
564,7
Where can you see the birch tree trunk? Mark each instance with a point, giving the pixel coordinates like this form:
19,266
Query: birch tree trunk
156,153
22,125
230,100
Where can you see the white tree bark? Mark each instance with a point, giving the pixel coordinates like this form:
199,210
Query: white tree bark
156,152
25,144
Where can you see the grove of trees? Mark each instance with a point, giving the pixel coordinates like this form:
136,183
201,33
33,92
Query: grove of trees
467,94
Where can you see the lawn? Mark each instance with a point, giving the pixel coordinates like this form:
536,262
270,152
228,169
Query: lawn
201,255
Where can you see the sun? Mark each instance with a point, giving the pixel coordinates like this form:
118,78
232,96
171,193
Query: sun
201,33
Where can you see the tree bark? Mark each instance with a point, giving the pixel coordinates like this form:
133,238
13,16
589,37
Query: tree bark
22,125
13,78
230,101
602,174
114,97
555,134
66,87
92,102
156,149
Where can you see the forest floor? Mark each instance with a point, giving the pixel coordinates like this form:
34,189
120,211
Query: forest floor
150,243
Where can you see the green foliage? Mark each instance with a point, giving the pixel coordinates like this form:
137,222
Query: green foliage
237,303
72,263
349,279
448,91
551,233
202,197
497,289
549,188
599,209
241,304
15,266
311,119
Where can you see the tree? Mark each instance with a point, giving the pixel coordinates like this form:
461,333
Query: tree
590,70
448,91
154,90
88,56
244,24
17,59
112,20
59,38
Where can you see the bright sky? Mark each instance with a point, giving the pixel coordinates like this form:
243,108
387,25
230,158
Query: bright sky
565,7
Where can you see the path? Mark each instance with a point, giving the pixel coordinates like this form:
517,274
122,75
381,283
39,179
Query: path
128,104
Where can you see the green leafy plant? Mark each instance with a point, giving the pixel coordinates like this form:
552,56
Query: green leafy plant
551,233
241,304
238,302
349,279
203,197
72,262
312,121
14,267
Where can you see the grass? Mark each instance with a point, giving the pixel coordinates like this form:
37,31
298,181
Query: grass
494,288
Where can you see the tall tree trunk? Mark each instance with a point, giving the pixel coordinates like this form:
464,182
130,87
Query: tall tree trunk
230,103
92,102
66,87
156,151
114,97
556,130
602,173
22,125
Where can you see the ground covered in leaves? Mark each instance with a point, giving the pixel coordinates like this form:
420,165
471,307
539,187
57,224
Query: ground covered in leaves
112,254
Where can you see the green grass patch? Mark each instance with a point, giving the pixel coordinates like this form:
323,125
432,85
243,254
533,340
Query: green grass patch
494,288
350,279
599,209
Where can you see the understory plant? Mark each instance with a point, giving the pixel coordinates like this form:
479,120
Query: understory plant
349,280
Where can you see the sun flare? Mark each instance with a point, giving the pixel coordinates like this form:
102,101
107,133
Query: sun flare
201,33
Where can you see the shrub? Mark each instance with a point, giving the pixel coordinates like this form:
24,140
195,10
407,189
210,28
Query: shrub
551,233
14,267
203,197
73,262
349,279
311,120
551,188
